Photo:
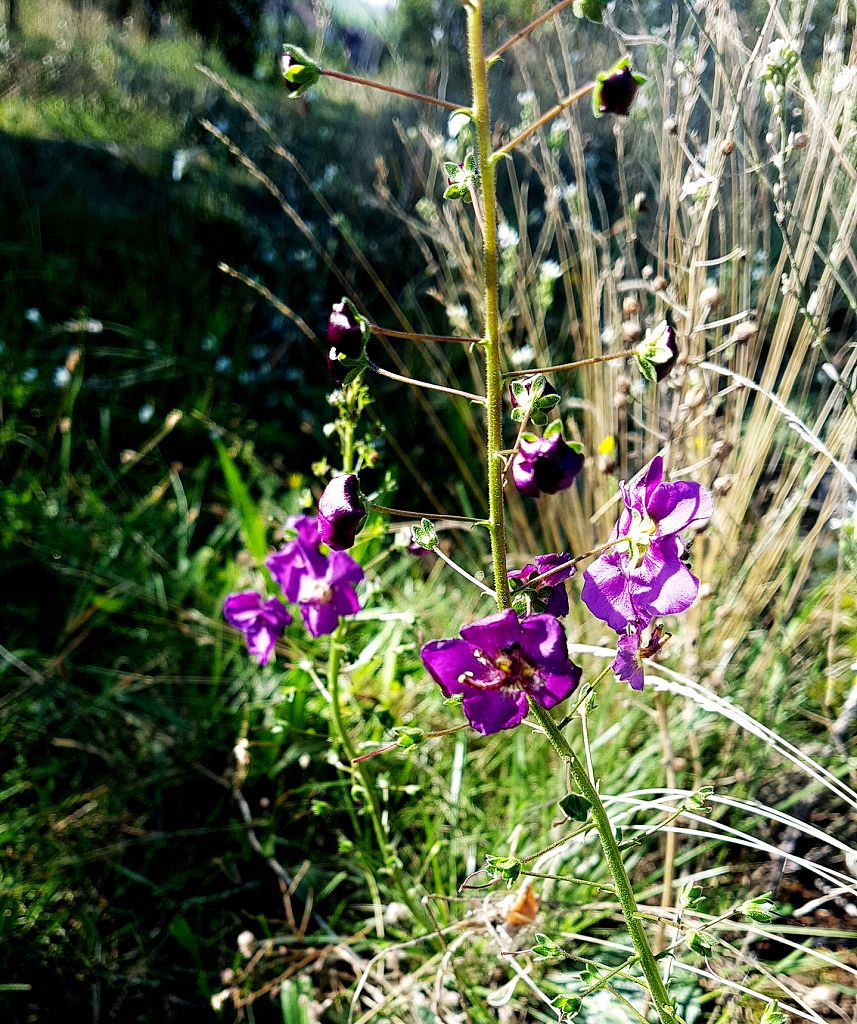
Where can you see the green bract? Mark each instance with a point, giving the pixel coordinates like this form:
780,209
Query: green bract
300,72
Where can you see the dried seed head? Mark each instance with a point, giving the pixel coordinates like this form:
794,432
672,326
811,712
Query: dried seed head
647,272
671,126
695,397
620,401
660,284
722,449
705,591
744,332
723,484
800,140
728,147
710,296
623,384
630,306
641,203
631,330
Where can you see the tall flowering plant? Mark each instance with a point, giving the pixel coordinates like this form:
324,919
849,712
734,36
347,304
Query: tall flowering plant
513,662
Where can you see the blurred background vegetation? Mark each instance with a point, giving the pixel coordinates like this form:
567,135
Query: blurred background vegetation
137,162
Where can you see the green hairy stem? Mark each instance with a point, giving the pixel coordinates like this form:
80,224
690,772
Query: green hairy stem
486,161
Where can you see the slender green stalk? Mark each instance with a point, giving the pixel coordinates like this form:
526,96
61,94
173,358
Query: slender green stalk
493,379
370,84
391,860
546,118
560,367
624,891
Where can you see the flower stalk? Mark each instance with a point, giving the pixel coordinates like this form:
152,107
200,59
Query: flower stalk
493,379
370,84
624,891
487,160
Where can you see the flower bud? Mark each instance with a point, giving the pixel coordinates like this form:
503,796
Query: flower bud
300,72
546,465
615,89
710,296
744,331
532,397
340,512
346,340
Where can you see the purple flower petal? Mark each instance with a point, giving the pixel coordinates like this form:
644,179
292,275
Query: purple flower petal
275,613
319,619
490,711
607,591
628,664
544,642
306,528
260,641
556,685
452,662
345,601
494,632
241,610
675,506
343,569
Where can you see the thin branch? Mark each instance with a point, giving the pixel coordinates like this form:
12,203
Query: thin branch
446,104
409,336
562,367
527,29
463,572
408,514
555,111
426,384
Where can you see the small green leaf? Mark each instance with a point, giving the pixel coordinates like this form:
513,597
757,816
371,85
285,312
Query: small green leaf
424,535
700,943
408,737
575,807
546,949
505,869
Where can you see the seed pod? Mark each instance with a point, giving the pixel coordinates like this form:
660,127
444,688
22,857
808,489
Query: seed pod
744,332
723,484
660,284
606,463
623,384
728,147
710,296
630,306
800,140
641,203
631,330
695,397
670,126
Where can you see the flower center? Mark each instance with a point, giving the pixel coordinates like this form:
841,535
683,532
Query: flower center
640,535
315,591
517,672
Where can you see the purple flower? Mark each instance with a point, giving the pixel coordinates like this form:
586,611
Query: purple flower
615,89
340,512
289,563
551,590
345,340
643,575
628,663
261,622
545,465
326,591
498,663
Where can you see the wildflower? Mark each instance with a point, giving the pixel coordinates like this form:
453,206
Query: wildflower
500,662
658,351
643,575
290,562
548,595
300,72
245,943
261,622
628,663
615,89
340,512
546,465
532,397
346,341
326,591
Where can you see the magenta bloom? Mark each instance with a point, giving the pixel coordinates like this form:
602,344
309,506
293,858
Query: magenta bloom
340,512
292,560
326,591
550,592
261,622
545,465
643,575
628,663
498,663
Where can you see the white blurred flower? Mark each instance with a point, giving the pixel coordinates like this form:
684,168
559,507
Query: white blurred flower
550,271
843,79
457,315
507,236
456,122
245,943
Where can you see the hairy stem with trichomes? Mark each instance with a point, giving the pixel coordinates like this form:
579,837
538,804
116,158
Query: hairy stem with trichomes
486,161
